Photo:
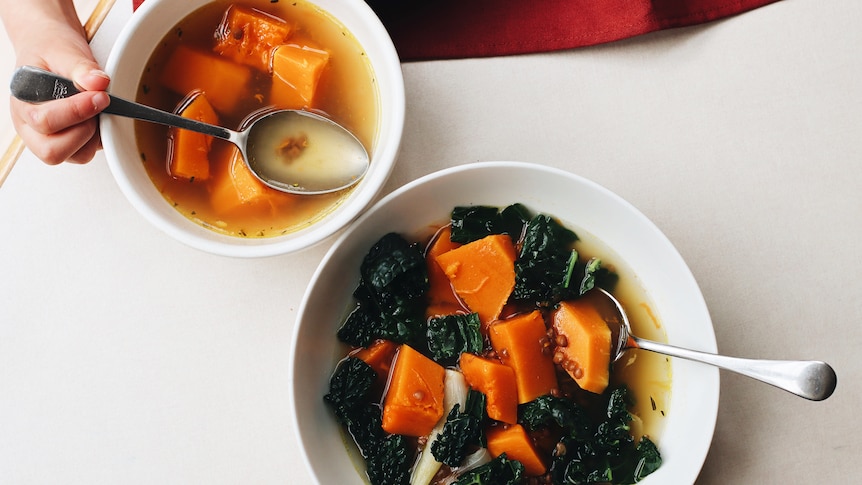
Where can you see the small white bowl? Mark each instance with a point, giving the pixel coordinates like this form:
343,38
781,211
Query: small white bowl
125,64
578,203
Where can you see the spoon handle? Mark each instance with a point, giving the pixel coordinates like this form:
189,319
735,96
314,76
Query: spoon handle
35,85
812,380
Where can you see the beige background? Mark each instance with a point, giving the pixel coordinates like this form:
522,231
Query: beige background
126,357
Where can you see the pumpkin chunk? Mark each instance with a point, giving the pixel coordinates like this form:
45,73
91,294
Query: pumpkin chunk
379,356
514,441
189,69
497,382
414,400
189,151
586,355
441,297
248,36
235,190
522,343
296,71
482,273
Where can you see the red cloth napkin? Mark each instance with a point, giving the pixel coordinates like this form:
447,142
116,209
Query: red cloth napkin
450,29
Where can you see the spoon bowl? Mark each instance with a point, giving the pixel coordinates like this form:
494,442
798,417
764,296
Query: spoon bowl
294,151
813,380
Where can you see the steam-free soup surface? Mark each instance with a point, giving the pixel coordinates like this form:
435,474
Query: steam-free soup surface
483,316
225,63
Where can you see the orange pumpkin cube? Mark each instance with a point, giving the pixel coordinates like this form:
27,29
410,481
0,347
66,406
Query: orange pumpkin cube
414,400
514,441
522,343
482,273
189,151
497,382
441,297
224,81
379,356
235,190
296,71
248,36
587,350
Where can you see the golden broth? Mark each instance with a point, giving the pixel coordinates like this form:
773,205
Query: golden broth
346,93
646,374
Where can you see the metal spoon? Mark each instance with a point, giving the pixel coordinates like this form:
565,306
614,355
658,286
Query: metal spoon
331,159
812,380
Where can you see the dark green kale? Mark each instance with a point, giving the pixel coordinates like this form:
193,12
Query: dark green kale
363,326
389,463
561,412
613,433
395,275
470,223
544,266
548,270
608,454
639,463
461,431
499,471
587,275
390,304
451,335
349,387
365,425
588,282
388,457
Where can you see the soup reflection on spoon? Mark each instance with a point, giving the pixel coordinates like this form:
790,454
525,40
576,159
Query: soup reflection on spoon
292,151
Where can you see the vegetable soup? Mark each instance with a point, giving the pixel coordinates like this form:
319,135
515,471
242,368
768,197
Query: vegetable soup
226,63
476,355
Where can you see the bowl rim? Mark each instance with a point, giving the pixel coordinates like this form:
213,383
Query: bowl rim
392,108
706,400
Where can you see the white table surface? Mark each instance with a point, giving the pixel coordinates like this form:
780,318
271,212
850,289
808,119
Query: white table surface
126,357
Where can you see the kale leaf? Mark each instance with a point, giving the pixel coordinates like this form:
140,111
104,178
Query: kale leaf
451,335
363,326
613,433
387,457
608,454
461,430
548,269
452,443
499,471
349,387
390,461
470,223
393,282
548,410
586,275
638,462
545,261
395,275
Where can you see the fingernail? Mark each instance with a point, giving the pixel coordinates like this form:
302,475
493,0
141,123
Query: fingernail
99,73
101,101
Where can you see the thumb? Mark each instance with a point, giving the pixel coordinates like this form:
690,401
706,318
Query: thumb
89,76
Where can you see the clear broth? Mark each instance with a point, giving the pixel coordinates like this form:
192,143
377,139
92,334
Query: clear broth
346,93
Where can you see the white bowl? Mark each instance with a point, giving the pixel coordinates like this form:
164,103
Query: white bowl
690,422
125,64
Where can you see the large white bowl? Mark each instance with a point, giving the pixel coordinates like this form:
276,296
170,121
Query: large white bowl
315,350
147,26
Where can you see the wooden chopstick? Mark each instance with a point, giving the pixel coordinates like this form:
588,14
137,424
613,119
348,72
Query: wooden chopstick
16,147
